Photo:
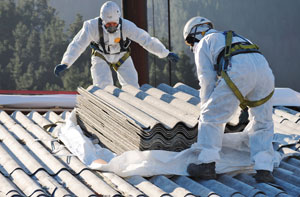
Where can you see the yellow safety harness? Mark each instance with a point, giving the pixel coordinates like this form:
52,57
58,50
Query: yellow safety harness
224,59
100,46
116,65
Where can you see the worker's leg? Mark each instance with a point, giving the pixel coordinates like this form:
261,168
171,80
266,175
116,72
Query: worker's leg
127,74
101,73
215,113
261,130
261,127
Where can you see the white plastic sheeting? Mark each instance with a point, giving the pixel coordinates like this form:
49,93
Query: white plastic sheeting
73,138
38,101
286,97
281,97
235,154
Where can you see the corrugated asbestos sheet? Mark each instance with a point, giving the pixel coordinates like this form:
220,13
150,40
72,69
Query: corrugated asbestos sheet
33,163
145,118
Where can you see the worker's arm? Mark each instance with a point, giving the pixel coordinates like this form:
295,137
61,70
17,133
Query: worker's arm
78,45
140,36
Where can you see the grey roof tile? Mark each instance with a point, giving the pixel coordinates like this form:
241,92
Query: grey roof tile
244,188
268,189
40,166
287,176
189,119
290,189
169,186
193,99
74,184
26,184
219,187
166,119
193,186
141,118
187,89
7,188
12,151
290,167
97,183
284,112
123,186
182,105
145,186
75,165
293,161
37,150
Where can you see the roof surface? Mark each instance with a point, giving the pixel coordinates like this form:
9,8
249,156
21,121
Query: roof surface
33,163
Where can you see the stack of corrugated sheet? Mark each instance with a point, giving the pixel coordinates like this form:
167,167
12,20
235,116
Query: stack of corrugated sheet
148,118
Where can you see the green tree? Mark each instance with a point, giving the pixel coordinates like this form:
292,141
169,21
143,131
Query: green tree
185,71
34,41
22,63
8,21
79,73
158,70
52,45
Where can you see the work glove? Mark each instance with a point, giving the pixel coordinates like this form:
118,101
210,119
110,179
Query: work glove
173,57
59,68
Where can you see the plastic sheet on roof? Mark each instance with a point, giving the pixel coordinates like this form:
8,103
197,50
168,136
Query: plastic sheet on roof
286,97
235,155
282,97
38,101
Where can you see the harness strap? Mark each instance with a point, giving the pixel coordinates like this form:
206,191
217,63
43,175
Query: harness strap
101,38
234,49
228,42
238,48
243,102
124,44
116,65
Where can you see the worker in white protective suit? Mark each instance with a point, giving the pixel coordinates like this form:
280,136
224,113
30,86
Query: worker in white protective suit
109,36
231,72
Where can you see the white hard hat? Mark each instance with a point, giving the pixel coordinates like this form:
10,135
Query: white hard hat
195,26
110,12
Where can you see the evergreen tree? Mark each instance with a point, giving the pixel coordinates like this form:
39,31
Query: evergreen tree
52,45
34,41
8,21
185,71
158,68
22,63
79,73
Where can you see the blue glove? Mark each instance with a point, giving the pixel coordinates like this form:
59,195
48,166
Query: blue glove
59,68
173,57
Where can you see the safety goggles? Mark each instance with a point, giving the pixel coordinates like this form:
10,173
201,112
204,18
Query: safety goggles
191,39
111,27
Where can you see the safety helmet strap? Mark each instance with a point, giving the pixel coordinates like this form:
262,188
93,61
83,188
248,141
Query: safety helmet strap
191,38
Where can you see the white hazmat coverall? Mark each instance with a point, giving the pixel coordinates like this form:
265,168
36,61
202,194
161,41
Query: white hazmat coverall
100,70
252,75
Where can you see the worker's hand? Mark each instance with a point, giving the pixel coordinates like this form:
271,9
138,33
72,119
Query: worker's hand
173,57
59,68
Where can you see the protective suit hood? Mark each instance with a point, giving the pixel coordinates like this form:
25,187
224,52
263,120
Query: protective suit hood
199,37
195,25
